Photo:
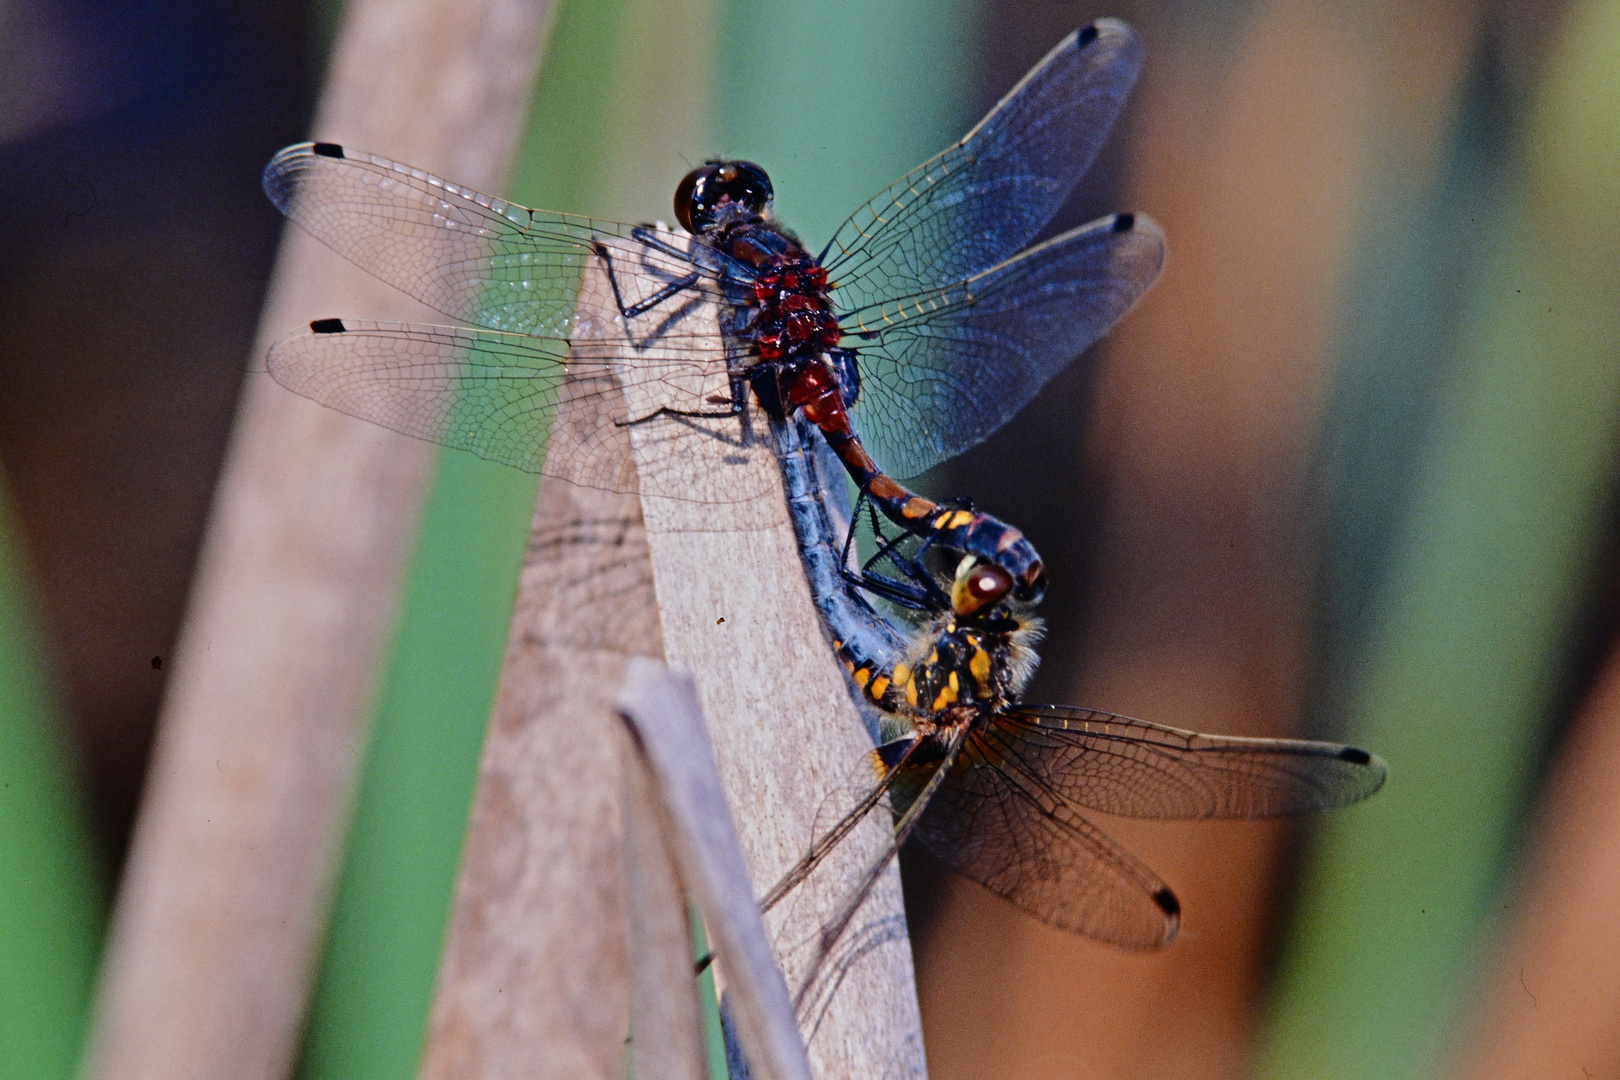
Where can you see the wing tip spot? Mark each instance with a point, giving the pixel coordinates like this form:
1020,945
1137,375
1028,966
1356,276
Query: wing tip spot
1355,756
327,149
327,326
1088,34
1167,902
1124,222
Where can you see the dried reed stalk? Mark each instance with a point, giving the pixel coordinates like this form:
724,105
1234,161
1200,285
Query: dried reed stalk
535,981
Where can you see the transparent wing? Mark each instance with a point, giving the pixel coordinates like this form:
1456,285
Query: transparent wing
861,790
1034,851
498,395
819,928
476,258
1037,852
1136,769
947,367
984,198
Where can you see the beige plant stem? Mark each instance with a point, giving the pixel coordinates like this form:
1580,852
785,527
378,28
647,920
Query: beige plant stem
220,914
535,979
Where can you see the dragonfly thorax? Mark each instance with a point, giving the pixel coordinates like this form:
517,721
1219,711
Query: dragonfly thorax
963,669
794,312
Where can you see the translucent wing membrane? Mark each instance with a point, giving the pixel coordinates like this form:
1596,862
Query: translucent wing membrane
1008,814
474,257
863,789
954,336
989,195
497,395
1037,852
1136,769
944,365
946,368
824,889
1026,846
492,394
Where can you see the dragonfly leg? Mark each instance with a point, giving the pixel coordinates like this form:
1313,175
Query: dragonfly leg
636,310
893,591
919,592
739,388
645,235
632,311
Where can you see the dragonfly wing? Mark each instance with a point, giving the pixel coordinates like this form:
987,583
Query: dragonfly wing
476,258
984,198
1137,769
1043,856
490,393
944,369
807,926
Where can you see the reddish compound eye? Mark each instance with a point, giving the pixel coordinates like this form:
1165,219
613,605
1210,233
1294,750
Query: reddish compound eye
977,587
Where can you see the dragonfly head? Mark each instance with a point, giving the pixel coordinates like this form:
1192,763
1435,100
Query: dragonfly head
721,193
1001,629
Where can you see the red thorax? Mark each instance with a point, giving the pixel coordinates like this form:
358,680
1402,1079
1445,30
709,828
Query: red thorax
794,312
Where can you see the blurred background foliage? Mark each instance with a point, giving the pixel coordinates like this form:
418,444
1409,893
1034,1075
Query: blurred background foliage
1347,472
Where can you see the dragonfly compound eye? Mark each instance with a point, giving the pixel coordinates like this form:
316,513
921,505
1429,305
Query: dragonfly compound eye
977,587
721,192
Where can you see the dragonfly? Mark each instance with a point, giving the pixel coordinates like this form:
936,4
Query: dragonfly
997,788
923,325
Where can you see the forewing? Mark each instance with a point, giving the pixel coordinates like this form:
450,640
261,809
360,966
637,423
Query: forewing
944,369
1137,769
984,198
493,394
476,258
1042,855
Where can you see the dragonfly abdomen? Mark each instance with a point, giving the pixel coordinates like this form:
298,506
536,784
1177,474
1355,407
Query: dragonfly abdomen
814,389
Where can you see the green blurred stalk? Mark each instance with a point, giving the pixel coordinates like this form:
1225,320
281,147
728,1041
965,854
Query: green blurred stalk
836,98
620,99
376,980
1489,576
52,895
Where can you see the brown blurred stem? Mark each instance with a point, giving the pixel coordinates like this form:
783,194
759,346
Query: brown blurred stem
220,913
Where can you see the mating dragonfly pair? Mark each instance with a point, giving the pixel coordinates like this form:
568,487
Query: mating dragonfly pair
945,325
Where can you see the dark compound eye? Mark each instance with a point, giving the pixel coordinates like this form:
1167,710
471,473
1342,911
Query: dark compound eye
684,192
1032,590
978,587
722,191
